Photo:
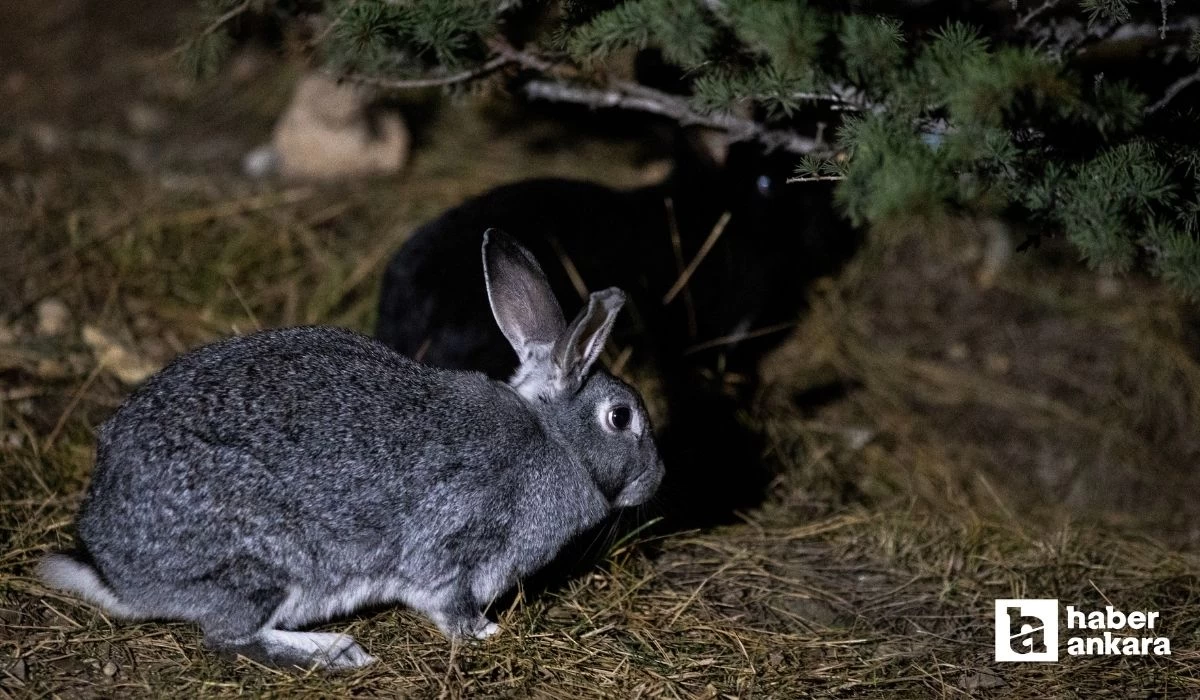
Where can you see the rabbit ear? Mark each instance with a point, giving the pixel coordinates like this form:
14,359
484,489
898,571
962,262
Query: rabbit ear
579,347
522,302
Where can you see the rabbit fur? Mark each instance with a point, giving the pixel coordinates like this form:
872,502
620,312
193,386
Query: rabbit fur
268,482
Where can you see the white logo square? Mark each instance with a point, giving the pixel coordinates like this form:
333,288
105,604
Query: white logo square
1027,629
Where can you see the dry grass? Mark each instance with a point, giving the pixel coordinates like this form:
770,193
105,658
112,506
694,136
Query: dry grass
954,442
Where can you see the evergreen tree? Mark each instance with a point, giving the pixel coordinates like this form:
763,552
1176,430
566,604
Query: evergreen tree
1073,114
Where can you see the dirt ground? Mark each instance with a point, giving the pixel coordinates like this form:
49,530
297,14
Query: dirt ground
949,424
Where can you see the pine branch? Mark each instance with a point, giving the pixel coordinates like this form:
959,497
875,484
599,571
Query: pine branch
1172,91
815,178
623,95
639,98
227,17
1036,12
489,66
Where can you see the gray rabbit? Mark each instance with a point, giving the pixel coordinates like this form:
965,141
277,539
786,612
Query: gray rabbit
275,480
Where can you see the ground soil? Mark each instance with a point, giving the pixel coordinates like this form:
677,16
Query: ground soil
948,424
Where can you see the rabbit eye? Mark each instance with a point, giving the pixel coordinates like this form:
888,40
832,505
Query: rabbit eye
619,418
764,184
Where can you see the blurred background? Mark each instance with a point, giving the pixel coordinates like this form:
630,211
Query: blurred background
944,412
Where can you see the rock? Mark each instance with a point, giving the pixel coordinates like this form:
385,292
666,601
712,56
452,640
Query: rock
110,669
328,133
53,317
122,362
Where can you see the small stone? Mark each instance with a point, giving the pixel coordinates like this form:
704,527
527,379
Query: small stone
327,133
110,669
53,317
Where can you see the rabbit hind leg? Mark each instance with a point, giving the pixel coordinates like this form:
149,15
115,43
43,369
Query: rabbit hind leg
325,650
247,626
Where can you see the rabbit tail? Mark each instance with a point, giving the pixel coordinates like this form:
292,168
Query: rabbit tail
73,575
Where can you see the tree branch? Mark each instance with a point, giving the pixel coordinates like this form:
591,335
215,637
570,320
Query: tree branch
1172,91
489,66
227,17
622,95
639,98
214,26
814,178
1034,13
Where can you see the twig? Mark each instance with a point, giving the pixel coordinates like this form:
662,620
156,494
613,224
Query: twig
522,58
618,364
643,99
568,265
491,65
504,55
677,249
1034,13
223,19
1173,90
622,95
213,26
695,263
815,178
242,300
62,418
739,337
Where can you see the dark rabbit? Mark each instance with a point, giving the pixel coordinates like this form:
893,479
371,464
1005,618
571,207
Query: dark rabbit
777,239
275,480
737,305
